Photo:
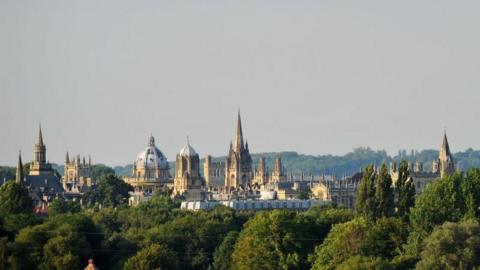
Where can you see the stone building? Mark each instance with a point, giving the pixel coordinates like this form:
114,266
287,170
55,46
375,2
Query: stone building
238,171
442,166
151,171
278,174
42,183
446,163
77,175
188,182
261,176
214,173
341,192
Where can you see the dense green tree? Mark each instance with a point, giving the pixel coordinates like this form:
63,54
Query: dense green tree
62,251
100,170
325,217
385,237
14,199
365,263
471,192
452,246
439,202
343,241
195,235
154,256
273,240
15,222
3,253
63,242
110,191
448,199
405,190
384,194
62,206
359,237
222,258
365,204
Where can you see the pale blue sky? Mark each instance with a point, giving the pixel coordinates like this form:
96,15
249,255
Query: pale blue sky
317,77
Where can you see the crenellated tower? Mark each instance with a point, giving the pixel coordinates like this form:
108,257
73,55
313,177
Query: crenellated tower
278,174
188,182
261,173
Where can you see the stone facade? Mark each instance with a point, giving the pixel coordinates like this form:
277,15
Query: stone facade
214,173
40,166
278,174
188,182
444,165
238,172
340,192
261,176
78,174
42,183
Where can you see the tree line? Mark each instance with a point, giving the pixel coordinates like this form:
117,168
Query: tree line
391,228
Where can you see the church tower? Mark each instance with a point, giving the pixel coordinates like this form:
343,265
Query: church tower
76,173
188,182
40,165
446,164
19,175
238,171
261,173
278,174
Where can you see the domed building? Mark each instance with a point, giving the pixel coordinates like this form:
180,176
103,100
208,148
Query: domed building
151,171
188,182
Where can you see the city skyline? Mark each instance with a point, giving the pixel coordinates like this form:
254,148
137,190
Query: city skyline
187,140
315,78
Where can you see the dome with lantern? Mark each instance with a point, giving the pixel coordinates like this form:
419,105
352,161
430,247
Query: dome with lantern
187,150
151,157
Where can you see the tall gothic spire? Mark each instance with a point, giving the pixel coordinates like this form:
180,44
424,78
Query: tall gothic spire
445,147
40,136
67,158
445,158
19,176
239,135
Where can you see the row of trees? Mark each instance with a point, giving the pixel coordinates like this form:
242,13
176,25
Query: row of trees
390,229
376,196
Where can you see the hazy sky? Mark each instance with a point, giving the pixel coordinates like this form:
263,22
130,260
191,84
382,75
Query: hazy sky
317,77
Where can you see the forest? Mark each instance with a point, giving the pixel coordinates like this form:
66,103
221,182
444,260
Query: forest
390,228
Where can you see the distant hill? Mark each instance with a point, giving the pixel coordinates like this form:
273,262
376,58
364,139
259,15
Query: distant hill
347,164
340,165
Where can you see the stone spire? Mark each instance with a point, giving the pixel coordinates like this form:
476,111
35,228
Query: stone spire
445,149
19,176
239,135
40,136
40,149
445,159
67,158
